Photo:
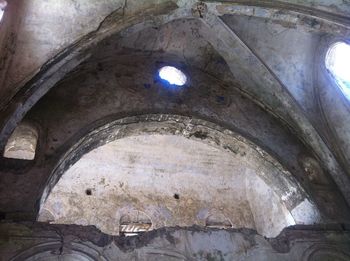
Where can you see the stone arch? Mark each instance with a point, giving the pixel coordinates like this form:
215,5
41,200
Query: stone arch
66,61
272,173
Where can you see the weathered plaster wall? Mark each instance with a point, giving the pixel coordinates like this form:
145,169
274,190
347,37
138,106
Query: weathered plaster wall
44,242
334,106
246,68
110,88
145,172
44,29
38,37
110,85
288,52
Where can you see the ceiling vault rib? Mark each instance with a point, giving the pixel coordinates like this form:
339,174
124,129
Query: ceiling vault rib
334,17
252,73
60,65
289,109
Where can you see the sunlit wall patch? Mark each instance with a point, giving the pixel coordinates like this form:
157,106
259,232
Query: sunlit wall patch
338,64
172,75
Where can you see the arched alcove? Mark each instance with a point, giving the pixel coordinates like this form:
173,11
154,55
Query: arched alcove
178,171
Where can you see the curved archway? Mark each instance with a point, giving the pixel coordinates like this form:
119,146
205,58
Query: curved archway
293,116
259,160
242,178
66,61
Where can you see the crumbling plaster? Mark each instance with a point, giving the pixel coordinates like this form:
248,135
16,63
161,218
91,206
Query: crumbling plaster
106,88
23,241
94,93
275,98
234,84
144,172
36,44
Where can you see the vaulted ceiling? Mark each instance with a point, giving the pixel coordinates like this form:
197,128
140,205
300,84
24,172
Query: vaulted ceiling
83,73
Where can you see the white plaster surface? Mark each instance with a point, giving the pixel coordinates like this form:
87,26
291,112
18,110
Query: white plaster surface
144,173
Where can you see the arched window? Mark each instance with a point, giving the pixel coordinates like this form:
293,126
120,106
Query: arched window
3,5
22,143
338,64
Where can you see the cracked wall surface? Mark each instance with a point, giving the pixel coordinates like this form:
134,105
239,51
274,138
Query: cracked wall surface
146,172
42,242
84,74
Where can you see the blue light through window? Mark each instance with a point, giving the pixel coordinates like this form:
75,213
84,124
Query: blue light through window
338,64
172,75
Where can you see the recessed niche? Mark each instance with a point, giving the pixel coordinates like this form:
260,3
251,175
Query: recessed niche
22,143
